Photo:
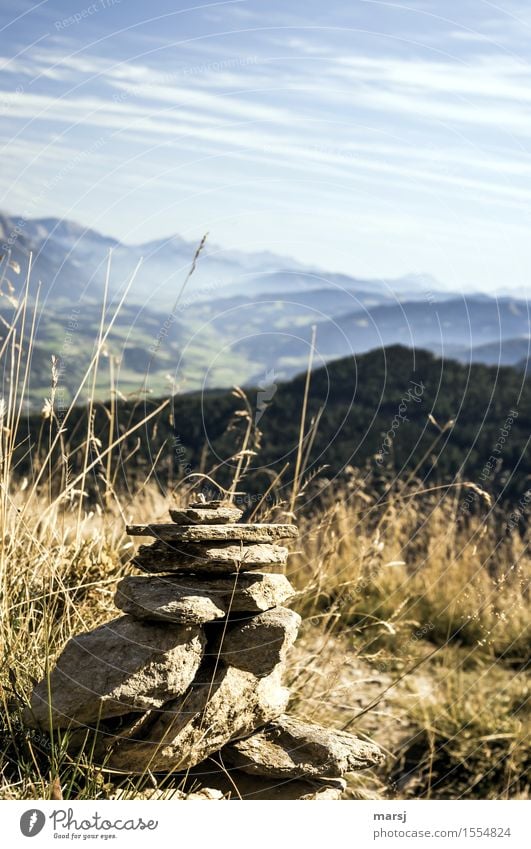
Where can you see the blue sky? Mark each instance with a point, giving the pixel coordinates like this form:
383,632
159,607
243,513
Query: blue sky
374,138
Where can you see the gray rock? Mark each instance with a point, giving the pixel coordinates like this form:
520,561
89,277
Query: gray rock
259,643
288,747
183,600
98,737
236,785
326,791
120,667
212,558
205,794
165,599
219,533
206,515
171,793
223,705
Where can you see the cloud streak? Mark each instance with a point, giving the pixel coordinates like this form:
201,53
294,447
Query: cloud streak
300,111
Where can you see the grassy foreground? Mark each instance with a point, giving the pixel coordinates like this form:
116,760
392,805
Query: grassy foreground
415,611
419,645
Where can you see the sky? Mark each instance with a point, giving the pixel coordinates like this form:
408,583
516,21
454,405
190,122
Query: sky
368,137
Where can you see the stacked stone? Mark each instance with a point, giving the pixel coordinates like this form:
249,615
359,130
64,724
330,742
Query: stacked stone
189,678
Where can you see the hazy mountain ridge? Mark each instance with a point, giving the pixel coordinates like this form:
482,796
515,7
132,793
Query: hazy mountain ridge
242,319
64,247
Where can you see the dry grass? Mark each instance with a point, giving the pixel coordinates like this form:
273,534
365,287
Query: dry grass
414,569
416,619
426,626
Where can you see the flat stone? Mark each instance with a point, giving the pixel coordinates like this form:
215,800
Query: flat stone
205,515
223,704
212,533
209,794
122,666
220,558
326,791
205,794
179,599
236,785
288,747
261,642
165,599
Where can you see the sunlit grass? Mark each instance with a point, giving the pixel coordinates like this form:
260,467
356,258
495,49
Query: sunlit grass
416,627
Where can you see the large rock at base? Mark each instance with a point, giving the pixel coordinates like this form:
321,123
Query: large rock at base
236,785
179,599
224,705
326,791
291,748
210,558
259,643
203,794
120,667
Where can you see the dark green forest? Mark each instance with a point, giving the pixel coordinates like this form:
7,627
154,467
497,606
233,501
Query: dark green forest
391,413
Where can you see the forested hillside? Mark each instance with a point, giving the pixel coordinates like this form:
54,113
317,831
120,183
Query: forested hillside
392,412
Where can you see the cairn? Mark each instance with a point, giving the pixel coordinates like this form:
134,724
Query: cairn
188,679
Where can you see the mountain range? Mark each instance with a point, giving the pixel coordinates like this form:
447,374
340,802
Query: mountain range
242,318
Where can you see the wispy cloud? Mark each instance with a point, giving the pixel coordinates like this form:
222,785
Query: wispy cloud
433,121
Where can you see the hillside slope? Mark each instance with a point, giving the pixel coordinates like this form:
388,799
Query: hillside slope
392,412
